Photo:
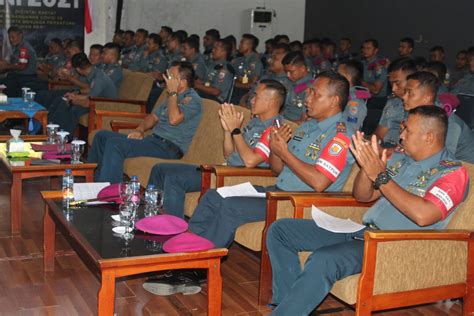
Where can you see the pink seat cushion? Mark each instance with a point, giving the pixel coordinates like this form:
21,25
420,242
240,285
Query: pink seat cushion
110,193
187,242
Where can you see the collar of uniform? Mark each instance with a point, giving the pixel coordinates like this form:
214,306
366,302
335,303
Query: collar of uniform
195,58
330,122
372,60
306,78
250,56
219,62
429,162
270,121
93,73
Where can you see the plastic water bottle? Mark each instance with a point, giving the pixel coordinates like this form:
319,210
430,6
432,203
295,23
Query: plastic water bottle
151,199
68,184
135,184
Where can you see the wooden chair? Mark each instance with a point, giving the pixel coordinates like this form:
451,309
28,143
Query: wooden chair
400,268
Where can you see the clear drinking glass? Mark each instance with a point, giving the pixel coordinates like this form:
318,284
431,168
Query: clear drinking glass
77,148
127,219
24,91
52,130
30,98
62,139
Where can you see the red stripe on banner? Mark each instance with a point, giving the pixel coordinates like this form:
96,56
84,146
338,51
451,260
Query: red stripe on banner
87,17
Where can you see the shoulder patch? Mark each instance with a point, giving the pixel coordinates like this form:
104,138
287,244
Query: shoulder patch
353,103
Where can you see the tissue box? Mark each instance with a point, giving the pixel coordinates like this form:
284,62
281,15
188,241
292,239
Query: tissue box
15,145
3,98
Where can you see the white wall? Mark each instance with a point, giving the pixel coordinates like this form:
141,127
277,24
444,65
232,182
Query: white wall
103,22
197,16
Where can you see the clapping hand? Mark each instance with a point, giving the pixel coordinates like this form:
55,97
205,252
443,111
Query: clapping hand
368,155
279,139
230,118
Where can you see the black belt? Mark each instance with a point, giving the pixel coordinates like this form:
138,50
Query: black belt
169,143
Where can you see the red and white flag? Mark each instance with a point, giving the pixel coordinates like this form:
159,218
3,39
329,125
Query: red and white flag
88,16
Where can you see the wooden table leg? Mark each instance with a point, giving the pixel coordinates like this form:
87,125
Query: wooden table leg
90,176
49,239
44,122
214,288
15,203
106,296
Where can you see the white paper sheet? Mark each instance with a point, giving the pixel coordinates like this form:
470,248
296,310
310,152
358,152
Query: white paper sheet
243,189
88,191
334,224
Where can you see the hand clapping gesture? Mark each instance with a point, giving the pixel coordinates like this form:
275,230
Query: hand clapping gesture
368,155
230,118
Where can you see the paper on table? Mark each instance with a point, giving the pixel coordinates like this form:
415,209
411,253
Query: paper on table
243,189
334,224
88,191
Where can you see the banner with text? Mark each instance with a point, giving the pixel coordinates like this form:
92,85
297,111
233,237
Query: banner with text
41,21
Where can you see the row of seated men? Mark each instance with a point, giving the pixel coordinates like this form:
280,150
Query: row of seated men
419,184
216,69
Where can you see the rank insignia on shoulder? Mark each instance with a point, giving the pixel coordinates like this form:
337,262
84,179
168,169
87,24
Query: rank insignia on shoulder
450,163
341,127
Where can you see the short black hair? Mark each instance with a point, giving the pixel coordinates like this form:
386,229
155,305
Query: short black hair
463,51
282,36
438,68
420,62
195,37
192,43
167,29
427,81
143,31
437,48
294,58
214,34
80,60
276,86
409,41
347,39
436,113
404,64
271,42
296,46
182,34
75,44
155,38
113,46
129,32
119,32
373,41
186,71
355,70
253,39
338,84
15,29
226,45
177,36
283,46
56,41
97,46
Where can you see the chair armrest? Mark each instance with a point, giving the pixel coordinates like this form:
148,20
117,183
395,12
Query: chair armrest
222,172
206,173
94,101
55,83
118,125
432,258
100,114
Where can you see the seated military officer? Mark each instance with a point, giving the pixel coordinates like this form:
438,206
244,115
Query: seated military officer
110,63
133,58
95,54
118,38
356,110
248,66
419,188
208,41
388,129
297,72
461,68
174,124
165,33
406,47
247,147
67,110
173,48
126,47
53,59
375,71
466,84
345,53
190,51
153,60
316,158
21,67
218,80
421,89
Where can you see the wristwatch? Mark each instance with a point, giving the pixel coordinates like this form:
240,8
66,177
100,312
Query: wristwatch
172,93
236,131
382,178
